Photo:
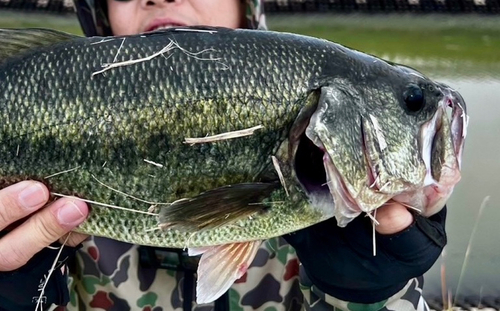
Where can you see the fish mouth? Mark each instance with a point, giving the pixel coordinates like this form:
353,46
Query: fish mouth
311,165
318,176
442,141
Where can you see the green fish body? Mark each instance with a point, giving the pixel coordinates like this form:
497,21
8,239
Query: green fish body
130,124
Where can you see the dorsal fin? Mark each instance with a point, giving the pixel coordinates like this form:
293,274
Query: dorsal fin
14,42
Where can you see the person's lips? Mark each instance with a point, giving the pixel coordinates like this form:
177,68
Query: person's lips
163,23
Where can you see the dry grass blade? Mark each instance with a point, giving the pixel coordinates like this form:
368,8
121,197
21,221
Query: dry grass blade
168,48
102,41
119,49
480,297
153,163
444,293
450,308
380,134
267,203
375,221
375,182
196,30
134,61
411,207
223,136
63,172
280,174
467,252
374,241
128,195
385,185
106,205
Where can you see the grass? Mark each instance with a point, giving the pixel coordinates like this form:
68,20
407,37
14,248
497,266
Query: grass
14,19
471,44
464,44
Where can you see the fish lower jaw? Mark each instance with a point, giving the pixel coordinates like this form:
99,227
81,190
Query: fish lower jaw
426,201
346,207
436,197
326,188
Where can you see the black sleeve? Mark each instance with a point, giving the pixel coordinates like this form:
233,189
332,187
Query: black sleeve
20,289
340,261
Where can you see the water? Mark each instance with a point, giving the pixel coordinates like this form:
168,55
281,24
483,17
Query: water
462,51
480,179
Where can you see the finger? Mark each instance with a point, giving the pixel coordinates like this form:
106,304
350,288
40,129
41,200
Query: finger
393,217
39,231
20,200
74,239
391,204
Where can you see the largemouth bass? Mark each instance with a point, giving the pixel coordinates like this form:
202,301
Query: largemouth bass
216,139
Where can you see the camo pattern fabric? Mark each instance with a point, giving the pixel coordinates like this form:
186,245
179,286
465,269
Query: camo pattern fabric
109,277
407,299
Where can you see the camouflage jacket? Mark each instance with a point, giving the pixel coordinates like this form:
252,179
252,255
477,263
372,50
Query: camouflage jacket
109,276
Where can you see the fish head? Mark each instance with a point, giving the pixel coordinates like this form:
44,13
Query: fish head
385,135
440,141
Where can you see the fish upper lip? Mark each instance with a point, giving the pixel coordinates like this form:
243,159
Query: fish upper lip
163,22
459,123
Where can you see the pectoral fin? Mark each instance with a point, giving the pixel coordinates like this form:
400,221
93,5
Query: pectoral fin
217,207
220,266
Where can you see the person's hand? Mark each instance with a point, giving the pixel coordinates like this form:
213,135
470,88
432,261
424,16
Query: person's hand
29,227
341,261
393,217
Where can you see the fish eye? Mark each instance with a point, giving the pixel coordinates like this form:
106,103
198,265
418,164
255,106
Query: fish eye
414,98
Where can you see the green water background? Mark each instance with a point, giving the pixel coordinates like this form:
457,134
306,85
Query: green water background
460,50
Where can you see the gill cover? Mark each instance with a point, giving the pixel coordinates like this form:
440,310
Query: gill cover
336,127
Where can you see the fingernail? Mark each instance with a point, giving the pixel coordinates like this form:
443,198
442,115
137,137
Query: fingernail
70,214
32,196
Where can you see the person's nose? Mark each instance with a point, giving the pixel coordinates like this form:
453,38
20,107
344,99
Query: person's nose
150,3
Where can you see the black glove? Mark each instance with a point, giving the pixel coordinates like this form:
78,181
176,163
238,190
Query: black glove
20,289
340,261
